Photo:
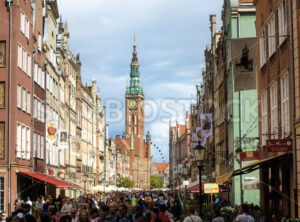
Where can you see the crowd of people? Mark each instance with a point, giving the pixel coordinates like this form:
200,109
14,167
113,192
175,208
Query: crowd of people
112,207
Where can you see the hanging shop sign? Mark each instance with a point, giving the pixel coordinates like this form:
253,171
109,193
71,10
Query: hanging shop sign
76,146
279,145
63,139
249,155
211,188
244,62
51,132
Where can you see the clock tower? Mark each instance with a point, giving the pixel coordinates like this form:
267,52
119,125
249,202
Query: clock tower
134,121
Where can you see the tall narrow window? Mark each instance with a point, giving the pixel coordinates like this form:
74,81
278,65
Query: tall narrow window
23,142
28,143
24,98
282,22
19,141
2,95
27,28
40,42
28,102
34,141
2,139
262,47
39,110
264,116
35,108
24,67
271,36
2,198
42,147
285,109
38,153
274,113
29,65
20,53
43,80
35,71
19,96
22,22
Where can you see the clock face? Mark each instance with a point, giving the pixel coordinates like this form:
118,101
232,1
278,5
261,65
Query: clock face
132,104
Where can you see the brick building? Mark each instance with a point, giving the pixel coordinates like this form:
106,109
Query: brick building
16,97
275,107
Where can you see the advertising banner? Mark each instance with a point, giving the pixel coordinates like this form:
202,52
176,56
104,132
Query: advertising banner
63,139
211,188
75,146
244,63
51,136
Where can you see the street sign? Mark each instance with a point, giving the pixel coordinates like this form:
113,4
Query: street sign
249,155
211,188
279,145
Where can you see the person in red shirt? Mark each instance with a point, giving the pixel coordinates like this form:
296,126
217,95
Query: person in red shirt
161,215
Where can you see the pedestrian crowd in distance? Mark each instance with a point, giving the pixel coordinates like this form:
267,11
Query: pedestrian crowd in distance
110,207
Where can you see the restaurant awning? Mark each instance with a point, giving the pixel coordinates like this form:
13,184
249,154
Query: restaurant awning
224,178
48,179
257,164
251,167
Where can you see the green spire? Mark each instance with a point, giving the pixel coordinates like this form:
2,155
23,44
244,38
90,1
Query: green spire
131,144
135,86
148,136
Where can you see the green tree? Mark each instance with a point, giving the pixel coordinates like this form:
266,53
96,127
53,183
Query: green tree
156,182
124,182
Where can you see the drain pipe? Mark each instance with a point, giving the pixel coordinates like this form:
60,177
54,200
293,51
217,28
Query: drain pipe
293,109
32,116
9,109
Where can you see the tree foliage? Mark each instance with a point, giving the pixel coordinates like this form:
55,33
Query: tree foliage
124,182
156,182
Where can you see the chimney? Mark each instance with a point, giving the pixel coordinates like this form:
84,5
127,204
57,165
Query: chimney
212,19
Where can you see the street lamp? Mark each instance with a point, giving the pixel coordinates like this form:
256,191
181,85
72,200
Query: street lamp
84,179
199,155
237,157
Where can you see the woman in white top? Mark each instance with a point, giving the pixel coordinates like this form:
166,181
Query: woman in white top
67,207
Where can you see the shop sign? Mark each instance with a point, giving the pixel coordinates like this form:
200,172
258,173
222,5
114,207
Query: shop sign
50,171
249,155
211,188
279,145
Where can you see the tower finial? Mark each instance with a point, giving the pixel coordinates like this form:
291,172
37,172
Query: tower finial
134,39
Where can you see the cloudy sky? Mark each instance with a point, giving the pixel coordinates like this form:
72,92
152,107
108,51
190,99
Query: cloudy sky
170,35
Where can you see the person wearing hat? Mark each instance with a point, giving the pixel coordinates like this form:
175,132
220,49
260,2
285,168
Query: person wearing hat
28,201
